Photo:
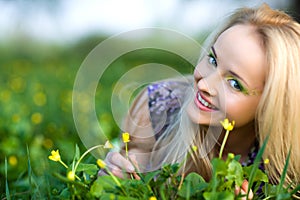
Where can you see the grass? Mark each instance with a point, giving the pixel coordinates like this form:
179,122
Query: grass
36,86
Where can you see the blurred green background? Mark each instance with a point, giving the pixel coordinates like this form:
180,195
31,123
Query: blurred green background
36,82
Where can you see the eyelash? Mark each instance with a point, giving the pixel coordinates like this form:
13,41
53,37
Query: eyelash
212,60
238,87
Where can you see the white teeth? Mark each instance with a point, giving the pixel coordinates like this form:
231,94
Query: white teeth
205,103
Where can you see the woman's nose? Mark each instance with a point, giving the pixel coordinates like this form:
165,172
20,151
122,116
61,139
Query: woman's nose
209,84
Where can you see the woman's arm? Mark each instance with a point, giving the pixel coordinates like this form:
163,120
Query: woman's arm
138,124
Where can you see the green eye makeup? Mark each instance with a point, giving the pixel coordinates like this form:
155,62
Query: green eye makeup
236,84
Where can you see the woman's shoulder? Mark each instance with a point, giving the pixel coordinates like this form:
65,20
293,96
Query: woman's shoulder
166,95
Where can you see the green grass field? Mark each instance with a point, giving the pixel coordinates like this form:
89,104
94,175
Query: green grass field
36,84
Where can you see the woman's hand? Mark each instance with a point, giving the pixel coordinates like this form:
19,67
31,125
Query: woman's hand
120,166
243,190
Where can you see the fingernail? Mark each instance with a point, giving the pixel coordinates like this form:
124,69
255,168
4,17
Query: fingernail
130,168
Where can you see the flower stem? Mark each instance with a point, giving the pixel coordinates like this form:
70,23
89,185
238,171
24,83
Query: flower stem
127,157
126,150
223,143
116,180
64,164
85,153
181,180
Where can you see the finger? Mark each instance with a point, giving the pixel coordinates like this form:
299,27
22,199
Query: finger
132,159
237,190
245,185
102,172
117,160
244,188
244,193
111,166
119,173
250,195
122,174
136,176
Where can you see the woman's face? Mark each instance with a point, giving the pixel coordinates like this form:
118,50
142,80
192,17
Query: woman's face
230,79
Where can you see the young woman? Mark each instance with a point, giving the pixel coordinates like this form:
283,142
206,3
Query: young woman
250,73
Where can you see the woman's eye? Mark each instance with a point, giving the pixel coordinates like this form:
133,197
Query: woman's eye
235,85
212,60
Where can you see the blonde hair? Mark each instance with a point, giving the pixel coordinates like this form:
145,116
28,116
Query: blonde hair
278,113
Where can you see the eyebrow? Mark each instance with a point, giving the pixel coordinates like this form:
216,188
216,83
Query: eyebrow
214,52
231,72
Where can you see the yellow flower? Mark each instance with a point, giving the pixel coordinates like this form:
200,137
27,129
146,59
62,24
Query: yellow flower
54,156
12,160
108,145
40,99
231,156
227,125
152,198
71,175
36,118
126,137
266,161
101,163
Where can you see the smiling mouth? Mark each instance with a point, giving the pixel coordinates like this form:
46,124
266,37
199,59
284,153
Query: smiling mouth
204,103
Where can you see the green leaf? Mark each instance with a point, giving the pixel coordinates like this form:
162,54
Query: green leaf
295,190
193,184
66,180
194,178
235,172
219,166
283,196
150,176
162,193
237,157
107,182
65,194
209,195
110,196
283,175
90,169
97,189
259,176
29,169
174,168
77,152
6,182
225,195
219,169
255,166
136,188
269,190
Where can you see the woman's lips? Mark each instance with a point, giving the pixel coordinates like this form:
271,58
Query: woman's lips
203,103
